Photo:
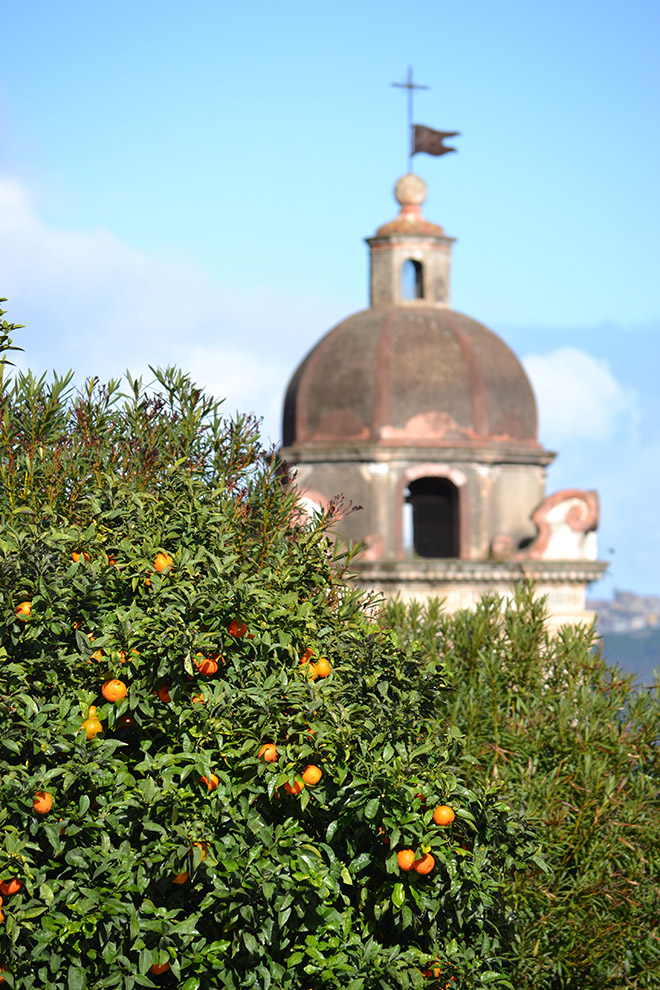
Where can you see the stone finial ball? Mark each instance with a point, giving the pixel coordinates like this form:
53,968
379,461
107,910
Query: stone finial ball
410,190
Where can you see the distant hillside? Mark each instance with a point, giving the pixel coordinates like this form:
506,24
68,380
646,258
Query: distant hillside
637,652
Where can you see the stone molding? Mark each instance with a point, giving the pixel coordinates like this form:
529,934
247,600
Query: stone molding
316,452
455,571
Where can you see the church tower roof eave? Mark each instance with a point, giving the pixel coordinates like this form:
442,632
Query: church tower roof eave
363,452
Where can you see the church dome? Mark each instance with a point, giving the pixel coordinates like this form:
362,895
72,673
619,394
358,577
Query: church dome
413,375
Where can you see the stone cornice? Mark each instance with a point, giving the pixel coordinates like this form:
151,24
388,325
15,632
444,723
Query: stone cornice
311,453
454,571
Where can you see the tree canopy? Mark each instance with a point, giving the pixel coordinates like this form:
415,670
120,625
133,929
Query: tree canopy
217,771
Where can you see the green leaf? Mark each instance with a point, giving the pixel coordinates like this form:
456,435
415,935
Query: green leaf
76,978
331,829
371,809
398,895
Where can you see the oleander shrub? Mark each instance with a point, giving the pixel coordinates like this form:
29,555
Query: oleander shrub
157,544
575,745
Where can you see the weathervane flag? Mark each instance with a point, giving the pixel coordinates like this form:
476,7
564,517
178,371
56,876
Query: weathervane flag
429,141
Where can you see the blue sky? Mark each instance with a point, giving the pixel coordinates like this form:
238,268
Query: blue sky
192,186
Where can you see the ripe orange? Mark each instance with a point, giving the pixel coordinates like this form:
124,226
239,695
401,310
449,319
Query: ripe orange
23,610
294,788
3,969
384,838
181,877
236,629
163,562
159,968
434,971
77,555
114,690
2,918
422,799
405,858
198,699
443,815
163,692
207,666
307,655
112,560
92,726
268,752
211,784
424,865
323,667
126,722
311,775
43,802
9,887
204,847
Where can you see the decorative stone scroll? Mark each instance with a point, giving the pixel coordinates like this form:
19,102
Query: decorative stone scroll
566,522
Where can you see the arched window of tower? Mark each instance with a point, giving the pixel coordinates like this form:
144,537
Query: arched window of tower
412,280
430,518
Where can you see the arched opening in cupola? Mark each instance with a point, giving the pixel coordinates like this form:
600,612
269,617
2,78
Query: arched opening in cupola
430,520
412,280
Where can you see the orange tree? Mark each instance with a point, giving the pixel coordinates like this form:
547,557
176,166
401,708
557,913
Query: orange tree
211,764
570,740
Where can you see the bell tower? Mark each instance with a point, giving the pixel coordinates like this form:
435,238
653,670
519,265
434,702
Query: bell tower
410,257
426,420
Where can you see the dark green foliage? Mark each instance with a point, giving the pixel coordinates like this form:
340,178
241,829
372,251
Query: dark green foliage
294,892
577,749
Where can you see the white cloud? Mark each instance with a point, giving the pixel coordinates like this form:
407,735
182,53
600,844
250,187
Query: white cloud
579,398
97,305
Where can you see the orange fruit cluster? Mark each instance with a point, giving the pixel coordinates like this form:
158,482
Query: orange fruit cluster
9,887
92,725
442,815
321,668
407,862
310,776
